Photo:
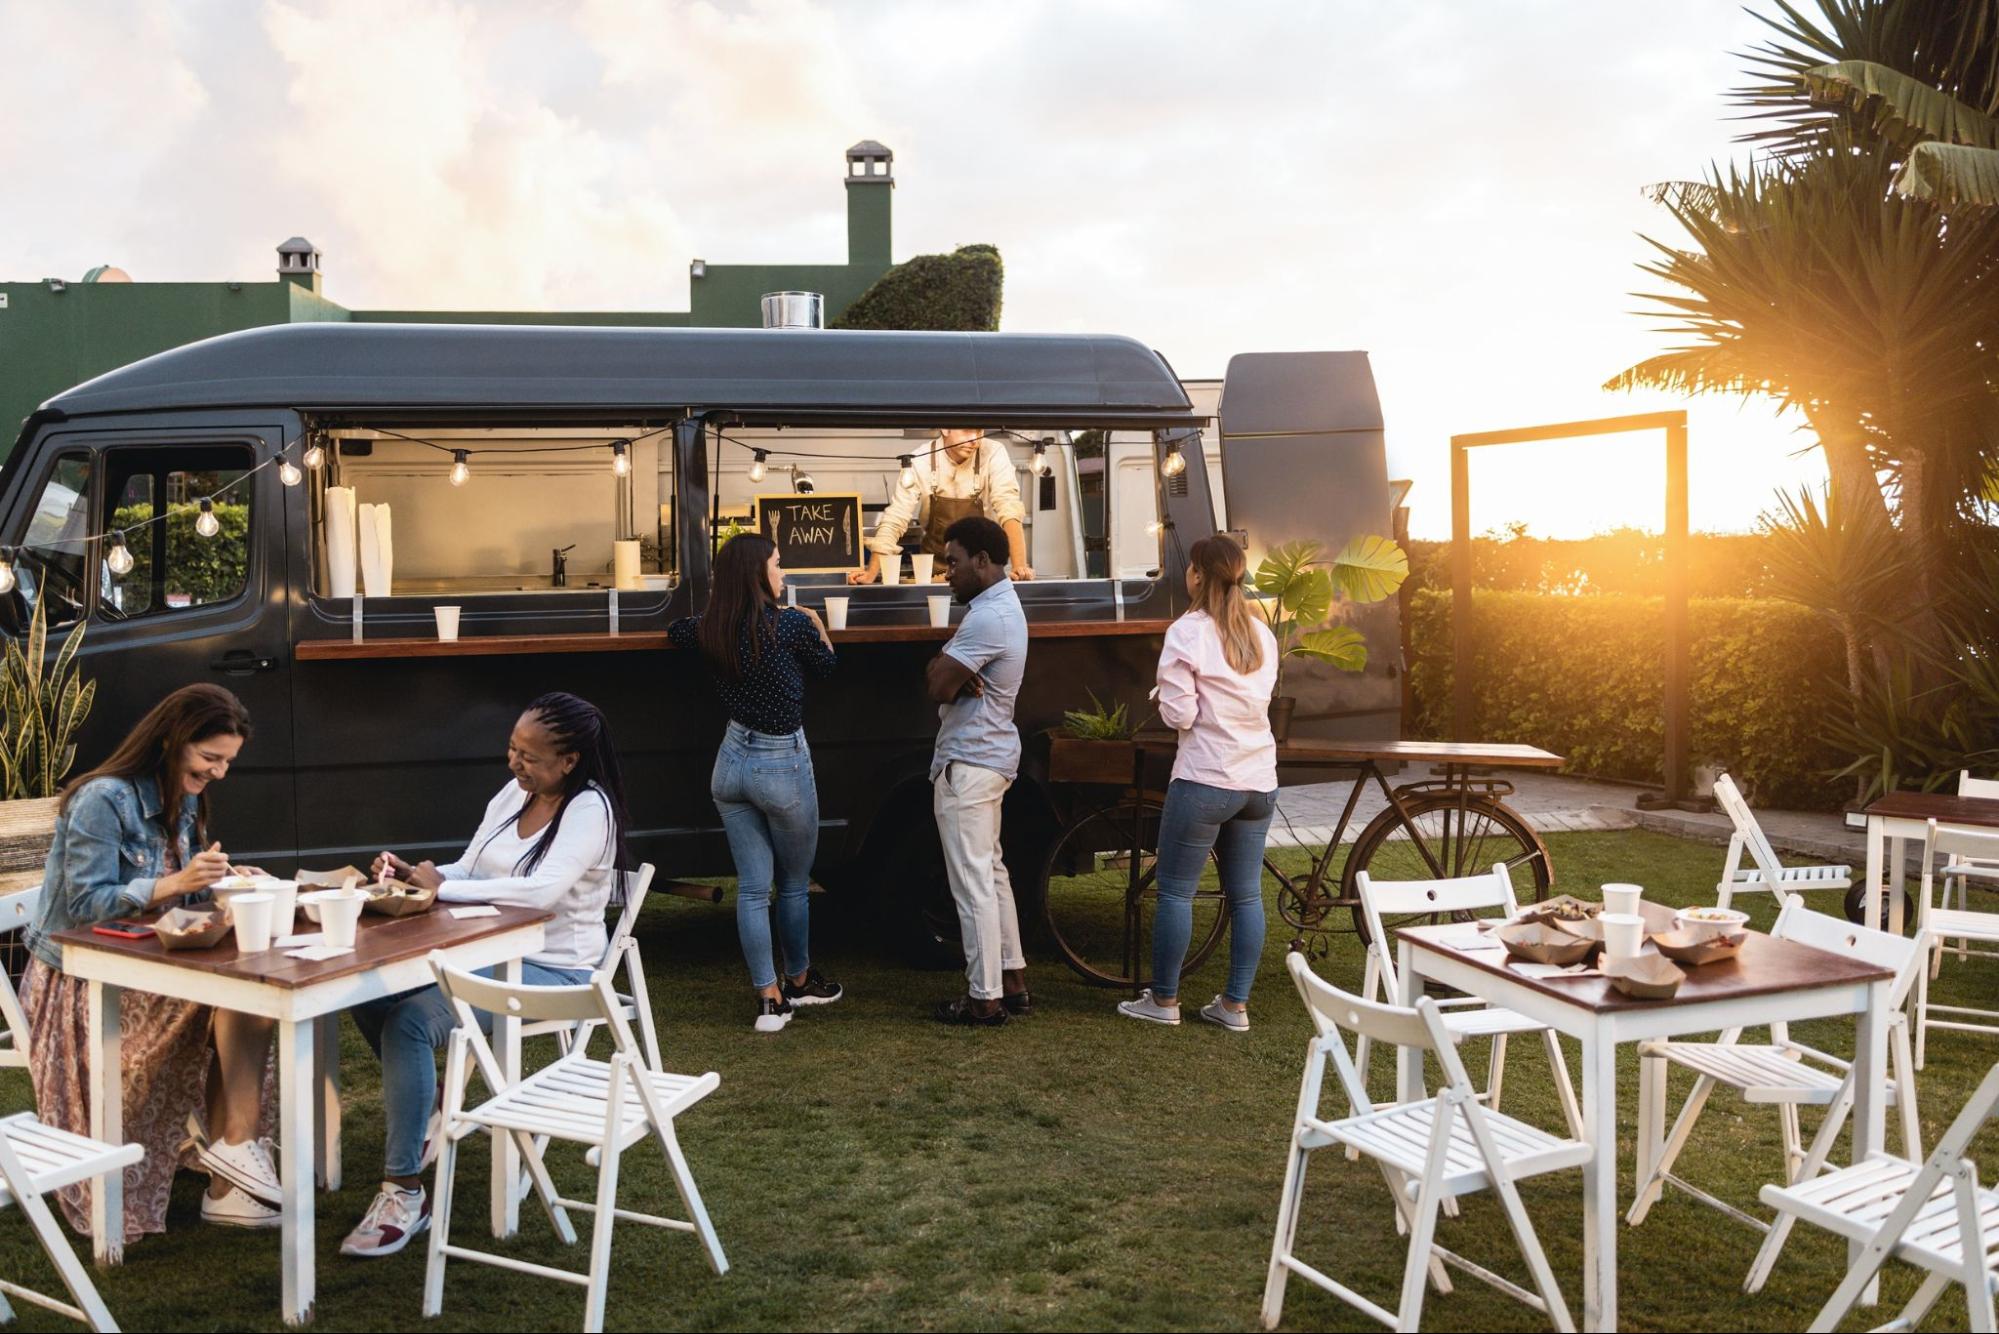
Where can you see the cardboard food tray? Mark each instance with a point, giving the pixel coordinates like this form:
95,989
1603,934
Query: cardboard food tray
1644,976
1544,943
1549,910
391,899
1698,947
187,929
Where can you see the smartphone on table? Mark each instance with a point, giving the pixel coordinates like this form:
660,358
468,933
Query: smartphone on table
125,929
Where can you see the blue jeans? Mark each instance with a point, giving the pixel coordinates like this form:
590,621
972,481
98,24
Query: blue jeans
1198,817
406,1032
764,787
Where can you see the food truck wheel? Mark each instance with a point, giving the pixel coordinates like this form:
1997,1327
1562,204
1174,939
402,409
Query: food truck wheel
1462,834
1097,918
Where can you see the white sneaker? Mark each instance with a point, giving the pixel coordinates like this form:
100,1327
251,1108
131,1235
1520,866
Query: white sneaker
1235,1021
248,1167
1149,1010
772,1015
395,1216
236,1209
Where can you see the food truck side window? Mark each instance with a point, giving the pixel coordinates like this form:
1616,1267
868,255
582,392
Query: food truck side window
174,566
52,554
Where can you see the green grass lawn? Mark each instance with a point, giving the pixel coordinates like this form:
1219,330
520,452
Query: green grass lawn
871,1169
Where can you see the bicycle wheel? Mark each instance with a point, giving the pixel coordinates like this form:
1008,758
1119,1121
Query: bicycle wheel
1454,835
1096,920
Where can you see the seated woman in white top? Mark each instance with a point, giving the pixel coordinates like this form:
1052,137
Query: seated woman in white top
1216,673
553,838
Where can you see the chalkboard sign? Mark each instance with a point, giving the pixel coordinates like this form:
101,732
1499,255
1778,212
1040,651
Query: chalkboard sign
816,533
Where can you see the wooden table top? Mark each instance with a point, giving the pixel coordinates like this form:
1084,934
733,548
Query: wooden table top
1764,967
381,940
1943,807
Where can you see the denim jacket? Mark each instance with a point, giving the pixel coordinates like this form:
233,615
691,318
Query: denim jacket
108,853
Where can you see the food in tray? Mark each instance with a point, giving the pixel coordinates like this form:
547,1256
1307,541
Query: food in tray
392,898
1710,919
1561,908
190,929
1541,943
1698,945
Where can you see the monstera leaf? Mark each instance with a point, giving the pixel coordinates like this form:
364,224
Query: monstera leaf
1292,577
1369,569
1341,645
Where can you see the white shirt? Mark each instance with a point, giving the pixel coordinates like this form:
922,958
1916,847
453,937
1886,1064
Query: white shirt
573,881
1222,716
987,476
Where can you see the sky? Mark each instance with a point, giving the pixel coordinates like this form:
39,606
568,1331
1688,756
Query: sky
1451,185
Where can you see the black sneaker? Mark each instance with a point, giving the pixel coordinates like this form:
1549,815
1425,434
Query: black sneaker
772,1015
960,1013
1019,1004
816,989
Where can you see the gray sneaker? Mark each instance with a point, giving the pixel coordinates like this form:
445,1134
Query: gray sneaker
1235,1021
1149,1010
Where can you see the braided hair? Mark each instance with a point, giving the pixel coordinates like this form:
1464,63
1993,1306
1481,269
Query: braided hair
578,727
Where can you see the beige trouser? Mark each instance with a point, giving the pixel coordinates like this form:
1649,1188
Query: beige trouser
967,801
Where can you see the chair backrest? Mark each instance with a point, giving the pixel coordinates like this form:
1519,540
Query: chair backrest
1947,840
1729,797
635,899
1334,1012
1967,786
586,1002
17,910
1406,898
1905,956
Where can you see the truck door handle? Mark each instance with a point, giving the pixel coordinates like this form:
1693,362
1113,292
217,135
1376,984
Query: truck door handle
242,662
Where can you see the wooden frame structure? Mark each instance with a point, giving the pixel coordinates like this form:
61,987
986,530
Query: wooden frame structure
1678,789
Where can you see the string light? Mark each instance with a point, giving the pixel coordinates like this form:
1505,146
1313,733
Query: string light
288,472
760,465
908,477
461,467
6,570
119,558
621,459
1174,463
315,455
205,522
1042,467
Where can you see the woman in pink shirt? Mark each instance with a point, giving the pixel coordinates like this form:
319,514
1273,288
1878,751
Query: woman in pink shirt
1215,678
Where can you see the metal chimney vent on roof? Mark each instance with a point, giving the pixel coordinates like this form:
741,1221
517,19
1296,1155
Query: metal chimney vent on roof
794,310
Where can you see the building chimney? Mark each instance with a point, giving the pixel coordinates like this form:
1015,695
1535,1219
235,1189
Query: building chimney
298,263
870,180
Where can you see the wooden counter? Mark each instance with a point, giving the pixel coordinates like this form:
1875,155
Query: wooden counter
480,646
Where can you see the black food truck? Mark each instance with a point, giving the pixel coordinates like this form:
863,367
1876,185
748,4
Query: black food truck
284,511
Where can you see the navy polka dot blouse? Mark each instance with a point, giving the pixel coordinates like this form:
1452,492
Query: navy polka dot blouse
769,695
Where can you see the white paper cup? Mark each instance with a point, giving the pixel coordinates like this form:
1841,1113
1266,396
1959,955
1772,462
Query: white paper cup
1623,934
940,609
340,917
921,568
447,623
836,613
1622,898
284,901
892,570
253,915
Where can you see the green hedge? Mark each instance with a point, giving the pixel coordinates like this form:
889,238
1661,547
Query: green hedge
1623,560
959,291
1584,677
207,569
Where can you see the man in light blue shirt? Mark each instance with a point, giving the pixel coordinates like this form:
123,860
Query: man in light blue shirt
975,681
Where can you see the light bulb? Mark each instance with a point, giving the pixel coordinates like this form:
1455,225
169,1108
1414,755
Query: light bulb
1042,467
621,459
119,558
315,455
1174,463
758,468
461,467
1155,528
288,472
205,522
6,570
908,477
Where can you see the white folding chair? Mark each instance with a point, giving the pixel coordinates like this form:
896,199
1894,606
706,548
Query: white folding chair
1933,1215
1969,855
1429,1151
1466,1016
623,951
34,1160
1786,1074
1988,789
606,1106
16,911
1764,874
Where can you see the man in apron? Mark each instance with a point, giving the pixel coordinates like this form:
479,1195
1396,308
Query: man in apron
966,473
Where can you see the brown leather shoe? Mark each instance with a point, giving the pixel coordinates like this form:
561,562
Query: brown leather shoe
960,1013
1020,1004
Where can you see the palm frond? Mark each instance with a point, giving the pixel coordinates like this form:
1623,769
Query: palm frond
1903,110
1950,175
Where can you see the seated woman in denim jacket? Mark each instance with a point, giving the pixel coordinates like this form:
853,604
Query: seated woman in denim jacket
553,838
132,834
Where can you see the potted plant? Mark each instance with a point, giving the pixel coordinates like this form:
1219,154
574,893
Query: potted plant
42,706
1300,592
1093,745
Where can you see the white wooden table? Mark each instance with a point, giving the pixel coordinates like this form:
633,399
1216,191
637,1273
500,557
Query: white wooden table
1897,819
391,956
1771,981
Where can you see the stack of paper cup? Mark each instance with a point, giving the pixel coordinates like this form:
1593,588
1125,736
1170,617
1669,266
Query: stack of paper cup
340,541
921,568
836,613
377,547
625,564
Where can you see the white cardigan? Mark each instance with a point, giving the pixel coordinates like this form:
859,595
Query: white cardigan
573,881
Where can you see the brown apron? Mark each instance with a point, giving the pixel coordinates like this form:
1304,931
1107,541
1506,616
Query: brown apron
945,511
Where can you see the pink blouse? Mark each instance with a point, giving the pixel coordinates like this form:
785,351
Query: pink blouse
1222,716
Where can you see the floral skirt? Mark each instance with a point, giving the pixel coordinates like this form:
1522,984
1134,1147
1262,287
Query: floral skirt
164,1055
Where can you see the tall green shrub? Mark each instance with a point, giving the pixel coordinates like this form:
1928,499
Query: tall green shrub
959,291
1585,677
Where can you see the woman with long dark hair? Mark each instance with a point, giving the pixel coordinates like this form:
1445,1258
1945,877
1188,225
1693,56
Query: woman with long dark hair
132,834
758,654
553,838
1216,672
